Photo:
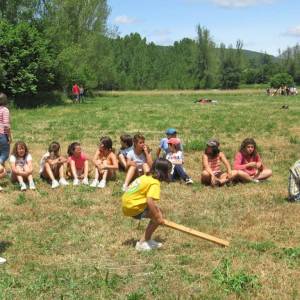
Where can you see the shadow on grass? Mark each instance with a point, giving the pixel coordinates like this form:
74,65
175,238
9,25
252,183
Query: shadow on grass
4,245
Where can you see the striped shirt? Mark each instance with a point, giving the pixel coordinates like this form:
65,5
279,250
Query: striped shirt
215,164
4,120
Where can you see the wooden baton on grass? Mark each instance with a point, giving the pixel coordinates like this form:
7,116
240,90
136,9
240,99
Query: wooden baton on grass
196,233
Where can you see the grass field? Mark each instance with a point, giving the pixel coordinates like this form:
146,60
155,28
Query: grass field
74,243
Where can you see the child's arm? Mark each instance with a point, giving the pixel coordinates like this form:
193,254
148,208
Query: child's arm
148,156
158,152
206,166
29,168
96,158
114,165
226,163
155,212
15,170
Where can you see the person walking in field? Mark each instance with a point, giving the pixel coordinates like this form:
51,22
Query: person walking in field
5,134
212,159
76,93
248,163
139,201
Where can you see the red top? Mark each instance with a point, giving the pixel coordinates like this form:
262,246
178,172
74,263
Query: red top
79,161
240,162
75,89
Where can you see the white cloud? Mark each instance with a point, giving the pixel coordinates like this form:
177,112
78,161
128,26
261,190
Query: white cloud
125,20
294,31
240,3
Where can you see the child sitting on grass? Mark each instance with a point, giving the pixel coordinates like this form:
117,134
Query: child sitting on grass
106,163
163,144
139,160
176,158
52,166
21,166
211,164
139,201
248,163
78,165
126,146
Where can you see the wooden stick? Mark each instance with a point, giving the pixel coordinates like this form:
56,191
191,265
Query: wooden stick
196,233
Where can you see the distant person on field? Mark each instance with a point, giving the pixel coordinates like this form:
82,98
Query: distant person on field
52,166
106,163
248,163
126,146
139,160
163,144
78,164
139,201
21,166
176,158
5,134
76,92
81,93
212,159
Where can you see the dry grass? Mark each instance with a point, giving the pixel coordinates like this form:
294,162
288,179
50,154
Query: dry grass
74,243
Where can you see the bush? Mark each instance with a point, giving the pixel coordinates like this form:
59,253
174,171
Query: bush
281,79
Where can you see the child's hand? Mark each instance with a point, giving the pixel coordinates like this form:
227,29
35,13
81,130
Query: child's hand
252,164
145,149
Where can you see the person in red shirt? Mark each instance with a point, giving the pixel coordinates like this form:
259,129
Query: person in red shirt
76,92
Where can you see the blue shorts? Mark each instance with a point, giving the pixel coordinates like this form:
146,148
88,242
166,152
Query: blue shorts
142,215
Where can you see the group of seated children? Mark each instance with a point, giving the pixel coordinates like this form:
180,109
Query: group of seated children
135,159
247,167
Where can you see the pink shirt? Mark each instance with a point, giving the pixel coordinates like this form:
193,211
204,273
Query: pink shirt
4,120
79,161
240,162
215,164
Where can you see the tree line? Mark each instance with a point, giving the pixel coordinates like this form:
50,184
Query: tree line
50,44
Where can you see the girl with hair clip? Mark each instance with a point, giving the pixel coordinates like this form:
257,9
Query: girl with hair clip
21,166
106,163
248,163
139,201
212,159
52,166
78,164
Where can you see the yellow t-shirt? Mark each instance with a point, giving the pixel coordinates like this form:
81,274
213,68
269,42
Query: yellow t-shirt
134,200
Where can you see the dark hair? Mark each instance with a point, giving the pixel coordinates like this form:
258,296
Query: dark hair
72,147
138,137
214,151
161,169
106,142
126,139
245,143
15,148
54,148
3,99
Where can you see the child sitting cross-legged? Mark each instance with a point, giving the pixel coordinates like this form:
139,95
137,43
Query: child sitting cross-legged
176,158
106,163
139,201
52,166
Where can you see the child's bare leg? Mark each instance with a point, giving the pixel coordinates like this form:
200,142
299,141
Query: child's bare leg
49,172
130,174
73,170
243,176
2,171
61,172
96,174
86,169
122,161
20,179
152,226
146,168
264,174
205,178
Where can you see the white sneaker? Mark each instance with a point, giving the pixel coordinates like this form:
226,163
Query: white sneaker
55,184
143,246
1,188
255,181
63,182
102,184
31,185
85,181
76,182
189,181
94,183
2,260
23,186
124,188
154,244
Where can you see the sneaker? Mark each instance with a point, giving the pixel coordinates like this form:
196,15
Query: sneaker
54,184
154,244
63,182
189,181
124,188
23,186
85,181
94,183
143,246
1,188
256,181
76,182
2,260
31,185
102,184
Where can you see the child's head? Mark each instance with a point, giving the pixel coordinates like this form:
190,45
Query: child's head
212,148
139,141
174,144
161,169
105,144
74,149
248,147
20,149
54,148
171,133
126,140
3,99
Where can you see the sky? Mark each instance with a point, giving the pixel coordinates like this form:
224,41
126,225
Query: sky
262,25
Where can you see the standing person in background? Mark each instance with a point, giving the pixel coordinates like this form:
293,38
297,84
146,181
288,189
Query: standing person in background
76,93
5,134
81,93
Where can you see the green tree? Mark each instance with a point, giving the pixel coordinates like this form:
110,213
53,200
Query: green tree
281,79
